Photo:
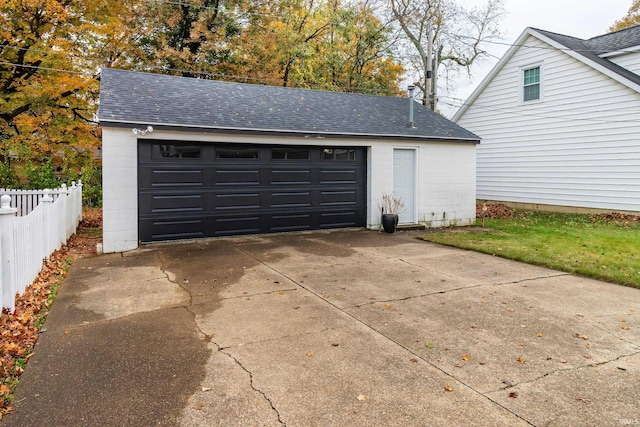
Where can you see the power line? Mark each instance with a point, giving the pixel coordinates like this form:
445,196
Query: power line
206,73
38,67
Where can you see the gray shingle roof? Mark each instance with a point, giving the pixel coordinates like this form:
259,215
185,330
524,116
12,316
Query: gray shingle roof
618,40
130,98
599,45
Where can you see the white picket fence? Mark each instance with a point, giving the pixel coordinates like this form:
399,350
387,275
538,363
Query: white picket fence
33,224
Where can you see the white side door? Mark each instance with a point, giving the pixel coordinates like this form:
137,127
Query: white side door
404,168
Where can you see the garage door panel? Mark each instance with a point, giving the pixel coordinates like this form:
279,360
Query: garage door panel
174,203
237,177
177,177
338,219
232,225
290,199
339,198
291,222
171,229
237,201
339,176
293,177
216,194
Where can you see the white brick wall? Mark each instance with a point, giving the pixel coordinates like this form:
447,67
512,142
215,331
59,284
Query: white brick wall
447,184
445,190
120,190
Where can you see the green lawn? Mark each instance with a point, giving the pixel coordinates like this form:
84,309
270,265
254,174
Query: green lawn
600,247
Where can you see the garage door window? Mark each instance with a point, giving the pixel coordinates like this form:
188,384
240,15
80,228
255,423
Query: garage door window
176,151
338,154
236,153
289,154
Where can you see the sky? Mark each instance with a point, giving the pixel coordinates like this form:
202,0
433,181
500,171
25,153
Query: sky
578,18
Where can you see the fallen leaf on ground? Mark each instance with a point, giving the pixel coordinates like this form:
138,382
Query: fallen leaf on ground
584,337
414,360
309,354
539,334
465,357
206,388
361,397
513,394
521,360
448,388
429,345
582,399
199,406
625,327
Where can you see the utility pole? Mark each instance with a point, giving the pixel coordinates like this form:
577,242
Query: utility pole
428,91
434,87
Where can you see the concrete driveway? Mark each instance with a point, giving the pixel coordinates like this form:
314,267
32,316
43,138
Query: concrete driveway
340,328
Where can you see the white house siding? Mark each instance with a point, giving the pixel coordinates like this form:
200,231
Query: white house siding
630,61
445,183
579,146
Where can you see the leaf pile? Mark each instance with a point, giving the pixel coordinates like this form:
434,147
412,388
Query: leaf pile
91,218
494,210
617,218
20,330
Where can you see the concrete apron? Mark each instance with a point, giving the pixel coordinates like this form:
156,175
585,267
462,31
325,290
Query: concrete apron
331,328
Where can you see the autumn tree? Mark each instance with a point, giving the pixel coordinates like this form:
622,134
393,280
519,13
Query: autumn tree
630,19
47,88
191,38
331,45
51,52
444,38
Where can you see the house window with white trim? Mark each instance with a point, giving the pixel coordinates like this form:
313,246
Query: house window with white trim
531,88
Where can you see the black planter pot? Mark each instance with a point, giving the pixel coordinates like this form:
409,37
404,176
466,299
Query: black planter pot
389,222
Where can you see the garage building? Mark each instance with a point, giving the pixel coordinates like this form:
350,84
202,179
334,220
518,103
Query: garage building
187,158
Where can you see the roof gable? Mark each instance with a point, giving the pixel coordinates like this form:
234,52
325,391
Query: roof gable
585,51
130,98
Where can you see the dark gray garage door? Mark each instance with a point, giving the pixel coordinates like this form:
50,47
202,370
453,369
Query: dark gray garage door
192,190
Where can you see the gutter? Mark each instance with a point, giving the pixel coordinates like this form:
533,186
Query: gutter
282,132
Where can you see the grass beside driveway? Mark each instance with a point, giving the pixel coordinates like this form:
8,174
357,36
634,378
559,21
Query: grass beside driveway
605,247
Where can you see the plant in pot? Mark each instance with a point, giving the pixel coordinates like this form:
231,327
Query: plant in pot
390,207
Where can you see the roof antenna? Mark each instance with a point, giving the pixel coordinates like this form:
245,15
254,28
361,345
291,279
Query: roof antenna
411,89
